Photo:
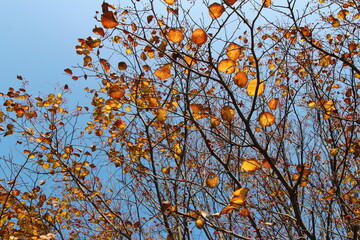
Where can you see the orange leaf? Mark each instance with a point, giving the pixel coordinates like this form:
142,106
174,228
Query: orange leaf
266,3
163,72
216,10
105,64
175,35
241,79
212,180
199,36
252,85
108,20
99,31
227,209
250,165
227,66
161,115
272,104
245,212
227,113
230,2
68,71
170,2
237,201
266,119
116,92
233,51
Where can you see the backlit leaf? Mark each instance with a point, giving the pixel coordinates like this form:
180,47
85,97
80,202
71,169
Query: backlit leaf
199,36
253,85
163,72
175,35
228,209
216,10
342,14
212,180
233,51
122,65
240,79
170,2
200,223
227,113
161,115
250,165
266,119
68,71
266,3
237,201
272,104
227,66
230,2
244,212
108,20
241,192
116,92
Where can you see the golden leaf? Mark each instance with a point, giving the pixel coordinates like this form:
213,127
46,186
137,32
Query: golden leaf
252,85
175,35
230,2
163,72
200,223
233,51
266,3
227,66
216,10
240,79
250,165
228,209
212,180
108,20
122,66
266,119
199,36
227,113
241,192
161,115
237,201
170,2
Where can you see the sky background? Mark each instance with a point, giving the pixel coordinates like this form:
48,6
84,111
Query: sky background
38,40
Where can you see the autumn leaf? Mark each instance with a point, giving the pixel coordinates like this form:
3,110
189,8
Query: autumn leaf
199,36
250,165
122,65
170,2
227,66
233,51
272,104
68,71
200,223
253,85
212,180
266,3
240,79
161,114
230,2
116,92
175,35
216,10
108,20
227,113
266,119
163,72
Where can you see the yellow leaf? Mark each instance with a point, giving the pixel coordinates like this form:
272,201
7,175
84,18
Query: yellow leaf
237,201
227,66
212,180
161,114
342,14
240,79
250,165
200,223
227,113
228,209
199,36
253,85
216,10
266,119
241,192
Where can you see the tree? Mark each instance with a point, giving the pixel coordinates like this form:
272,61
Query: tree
218,120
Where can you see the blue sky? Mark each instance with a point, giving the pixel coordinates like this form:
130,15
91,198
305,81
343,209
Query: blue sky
38,40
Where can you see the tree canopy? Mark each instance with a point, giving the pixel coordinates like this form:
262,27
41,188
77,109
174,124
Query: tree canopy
211,120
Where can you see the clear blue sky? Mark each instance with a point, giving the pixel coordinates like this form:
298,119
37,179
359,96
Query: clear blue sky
38,39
